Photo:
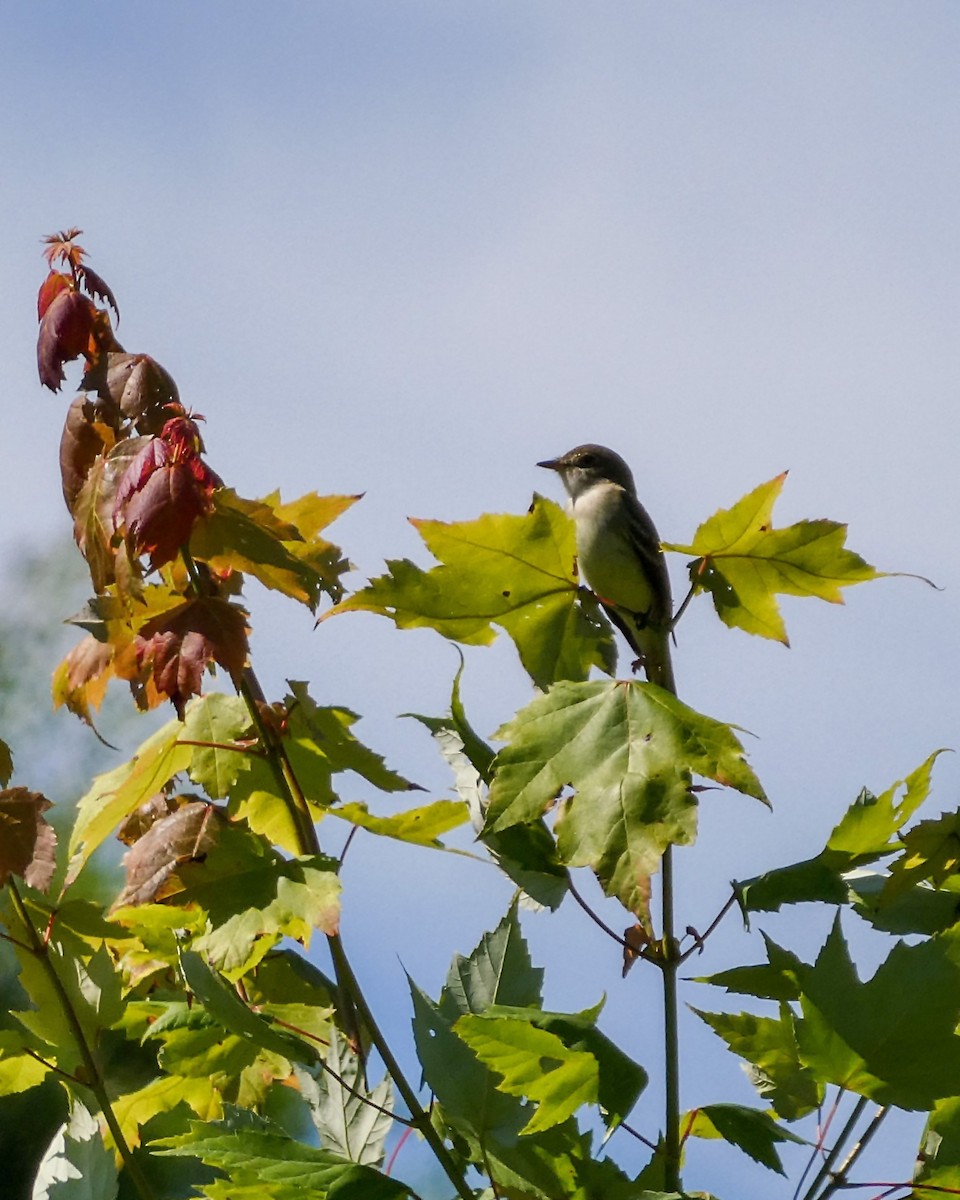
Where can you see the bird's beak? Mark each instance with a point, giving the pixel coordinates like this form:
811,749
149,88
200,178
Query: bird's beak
552,464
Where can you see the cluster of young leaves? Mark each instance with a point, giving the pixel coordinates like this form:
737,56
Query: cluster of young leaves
166,542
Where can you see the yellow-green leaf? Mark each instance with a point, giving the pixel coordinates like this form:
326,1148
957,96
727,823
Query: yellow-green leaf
534,1064
744,563
515,572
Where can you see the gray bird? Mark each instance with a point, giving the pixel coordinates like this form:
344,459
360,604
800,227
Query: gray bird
618,549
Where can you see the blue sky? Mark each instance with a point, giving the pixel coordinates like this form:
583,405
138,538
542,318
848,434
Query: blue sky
411,248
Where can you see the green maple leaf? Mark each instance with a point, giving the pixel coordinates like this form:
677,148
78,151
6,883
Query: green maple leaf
630,751
534,1064
867,831
744,563
892,1038
755,1133
515,572
769,1045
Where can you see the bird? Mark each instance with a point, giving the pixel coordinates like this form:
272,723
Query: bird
619,555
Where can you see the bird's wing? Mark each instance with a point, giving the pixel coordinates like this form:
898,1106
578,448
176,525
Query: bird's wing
646,542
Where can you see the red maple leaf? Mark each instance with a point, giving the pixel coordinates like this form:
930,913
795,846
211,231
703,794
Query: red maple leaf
178,645
163,491
65,333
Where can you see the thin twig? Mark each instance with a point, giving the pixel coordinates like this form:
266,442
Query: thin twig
698,945
834,1154
596,919
637,1134
839,1178
694,588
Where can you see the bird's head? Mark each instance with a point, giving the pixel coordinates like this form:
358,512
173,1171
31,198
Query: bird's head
584,466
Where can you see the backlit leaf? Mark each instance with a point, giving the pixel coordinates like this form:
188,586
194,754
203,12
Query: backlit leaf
630,751
534,1064
517,572
755,1133
120,792
420,826
278,544
744,563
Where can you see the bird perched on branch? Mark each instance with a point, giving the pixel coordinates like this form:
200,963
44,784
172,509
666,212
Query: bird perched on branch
618,549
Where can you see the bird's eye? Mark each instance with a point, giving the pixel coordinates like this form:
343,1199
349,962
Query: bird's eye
587,460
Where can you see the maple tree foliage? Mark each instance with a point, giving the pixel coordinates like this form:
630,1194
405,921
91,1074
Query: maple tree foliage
192,968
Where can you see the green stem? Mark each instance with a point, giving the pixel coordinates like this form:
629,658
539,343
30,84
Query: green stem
94,1078
669,963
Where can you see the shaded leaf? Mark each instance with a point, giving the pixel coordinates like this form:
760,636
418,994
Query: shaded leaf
89,431
629,750
499,971
346,1113
769,1045
744,563
93,524
77,1165
755,1133
28,845
140,388
279,1167
892,1038
517,572
175,839
65,332
226,1007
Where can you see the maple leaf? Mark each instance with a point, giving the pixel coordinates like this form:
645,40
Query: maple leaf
81,678
65,333
184,835
64,246
166,487
52,286
140,388
27,842
179,644
89,431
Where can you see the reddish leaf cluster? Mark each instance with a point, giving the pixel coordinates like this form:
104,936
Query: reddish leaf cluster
144,501
163,491
71,324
